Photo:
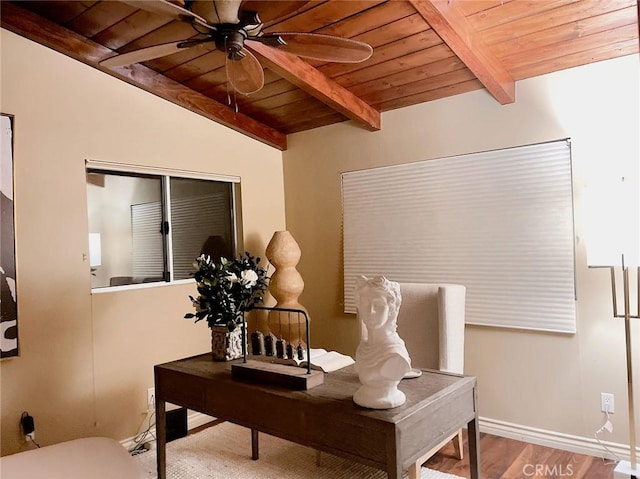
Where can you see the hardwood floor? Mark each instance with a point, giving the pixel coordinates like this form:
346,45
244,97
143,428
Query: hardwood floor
502,458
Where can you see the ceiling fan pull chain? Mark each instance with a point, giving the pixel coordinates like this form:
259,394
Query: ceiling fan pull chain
230,81
226,69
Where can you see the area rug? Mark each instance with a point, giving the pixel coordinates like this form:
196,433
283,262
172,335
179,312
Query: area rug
223,451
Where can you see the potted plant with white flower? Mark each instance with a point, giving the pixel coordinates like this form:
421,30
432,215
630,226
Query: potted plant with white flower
226,289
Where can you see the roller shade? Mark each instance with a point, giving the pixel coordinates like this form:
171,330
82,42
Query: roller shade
498,222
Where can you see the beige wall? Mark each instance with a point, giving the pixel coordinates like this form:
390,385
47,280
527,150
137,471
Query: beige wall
539,380
87,360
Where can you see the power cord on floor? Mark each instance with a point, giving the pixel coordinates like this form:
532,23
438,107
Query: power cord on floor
607,426
143,439
30,438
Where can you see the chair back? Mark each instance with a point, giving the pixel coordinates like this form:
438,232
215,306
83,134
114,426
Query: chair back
431,323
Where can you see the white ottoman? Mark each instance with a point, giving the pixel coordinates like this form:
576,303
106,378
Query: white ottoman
88,458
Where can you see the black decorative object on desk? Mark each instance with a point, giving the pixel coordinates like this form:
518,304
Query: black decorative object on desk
257,343
277,346
269,348
270,371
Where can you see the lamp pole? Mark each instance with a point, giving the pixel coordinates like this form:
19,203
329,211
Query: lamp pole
627,469
627,333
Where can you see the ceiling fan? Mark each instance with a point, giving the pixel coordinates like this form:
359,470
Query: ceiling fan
229,24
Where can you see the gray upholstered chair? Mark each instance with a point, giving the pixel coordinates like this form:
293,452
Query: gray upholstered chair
431,323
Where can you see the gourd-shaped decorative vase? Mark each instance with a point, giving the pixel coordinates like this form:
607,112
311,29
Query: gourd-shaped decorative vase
286,286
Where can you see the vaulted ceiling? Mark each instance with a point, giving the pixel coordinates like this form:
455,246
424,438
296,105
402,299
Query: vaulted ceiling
423,50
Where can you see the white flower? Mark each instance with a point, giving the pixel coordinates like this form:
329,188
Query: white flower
249,278
232,278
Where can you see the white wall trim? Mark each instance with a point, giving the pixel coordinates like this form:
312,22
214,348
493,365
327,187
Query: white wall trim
557,440
158,171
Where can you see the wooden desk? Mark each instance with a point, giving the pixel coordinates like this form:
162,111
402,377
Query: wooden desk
325,417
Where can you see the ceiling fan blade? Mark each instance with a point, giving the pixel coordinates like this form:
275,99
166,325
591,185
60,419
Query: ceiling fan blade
324,47
149,53
245,75
274,9
165,7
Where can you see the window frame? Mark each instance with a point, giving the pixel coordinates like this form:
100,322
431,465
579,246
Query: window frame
165,175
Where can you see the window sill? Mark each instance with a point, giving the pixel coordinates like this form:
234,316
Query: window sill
129,287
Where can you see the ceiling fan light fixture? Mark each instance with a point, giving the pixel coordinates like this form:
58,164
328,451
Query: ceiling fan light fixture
249,20
232,43
216,11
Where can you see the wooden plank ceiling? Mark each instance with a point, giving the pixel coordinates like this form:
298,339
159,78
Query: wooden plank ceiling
423,50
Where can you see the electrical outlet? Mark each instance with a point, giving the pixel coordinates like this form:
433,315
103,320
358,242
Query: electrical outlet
606,403
151,397
28,425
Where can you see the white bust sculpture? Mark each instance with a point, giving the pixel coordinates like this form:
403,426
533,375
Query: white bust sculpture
381,358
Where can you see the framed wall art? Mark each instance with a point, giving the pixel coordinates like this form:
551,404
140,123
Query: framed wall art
8,301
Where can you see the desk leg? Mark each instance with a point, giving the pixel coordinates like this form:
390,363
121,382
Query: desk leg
474,448
255,455
161,439
394,471
394,468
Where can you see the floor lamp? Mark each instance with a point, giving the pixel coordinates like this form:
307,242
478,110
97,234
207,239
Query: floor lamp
626,469
617,251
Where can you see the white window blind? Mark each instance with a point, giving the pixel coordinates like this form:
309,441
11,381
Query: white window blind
498,222
148,245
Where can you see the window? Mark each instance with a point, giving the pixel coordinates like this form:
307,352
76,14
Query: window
498,222
147,226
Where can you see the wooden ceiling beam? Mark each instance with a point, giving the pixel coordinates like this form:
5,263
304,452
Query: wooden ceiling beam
454,29
318,85
45,32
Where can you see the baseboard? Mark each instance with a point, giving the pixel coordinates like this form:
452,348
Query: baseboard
194,420
557,440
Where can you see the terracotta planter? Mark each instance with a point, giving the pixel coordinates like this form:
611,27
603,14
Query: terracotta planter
226,345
